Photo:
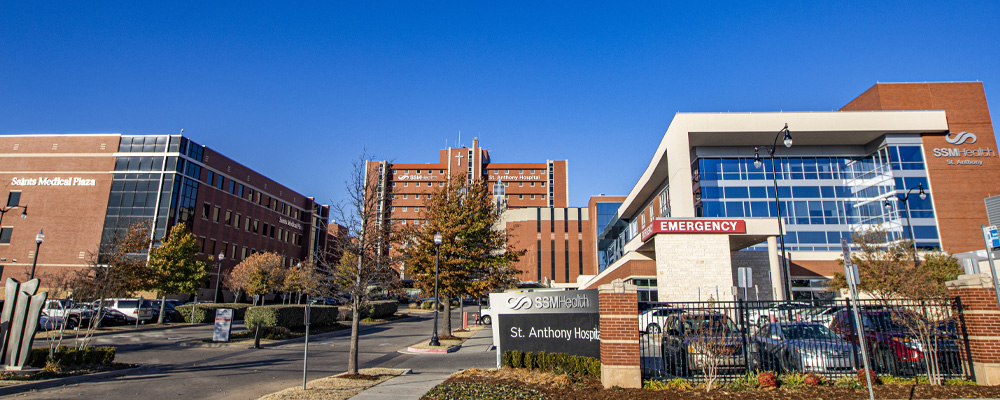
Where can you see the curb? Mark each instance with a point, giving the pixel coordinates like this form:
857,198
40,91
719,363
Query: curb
244,343
451,349
49,383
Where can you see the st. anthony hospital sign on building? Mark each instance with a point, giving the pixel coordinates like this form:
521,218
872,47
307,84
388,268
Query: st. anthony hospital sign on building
549,321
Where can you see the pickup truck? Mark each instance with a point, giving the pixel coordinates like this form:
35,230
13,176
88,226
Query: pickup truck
69,311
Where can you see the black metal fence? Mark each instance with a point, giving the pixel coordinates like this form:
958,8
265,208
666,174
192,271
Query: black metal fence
905,338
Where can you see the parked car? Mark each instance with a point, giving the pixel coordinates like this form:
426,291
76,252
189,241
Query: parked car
69,310
802,346
691,340
778,312
895,348
52,322
132,308
170,312
652,320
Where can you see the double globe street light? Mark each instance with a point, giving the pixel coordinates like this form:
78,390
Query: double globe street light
437,258
777,202
903,199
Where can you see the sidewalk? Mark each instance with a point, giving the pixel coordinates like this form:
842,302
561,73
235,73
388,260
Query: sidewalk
429,370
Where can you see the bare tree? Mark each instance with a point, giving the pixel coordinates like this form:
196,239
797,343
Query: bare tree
117,269
366,258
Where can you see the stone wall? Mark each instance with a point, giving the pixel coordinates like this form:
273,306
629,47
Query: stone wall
693,267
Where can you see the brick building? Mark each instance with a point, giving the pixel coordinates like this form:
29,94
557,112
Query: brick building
81,189
533,195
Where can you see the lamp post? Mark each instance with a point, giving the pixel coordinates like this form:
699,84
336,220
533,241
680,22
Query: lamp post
218,277
4,210
437,258
777,202
39,238
903,199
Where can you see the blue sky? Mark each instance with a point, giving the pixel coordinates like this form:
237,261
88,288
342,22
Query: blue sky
296,90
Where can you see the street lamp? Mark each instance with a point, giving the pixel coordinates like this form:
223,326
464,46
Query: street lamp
218,277
437,258
777,202
39,238
24,211
903,199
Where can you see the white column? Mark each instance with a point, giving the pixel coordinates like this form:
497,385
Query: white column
777,284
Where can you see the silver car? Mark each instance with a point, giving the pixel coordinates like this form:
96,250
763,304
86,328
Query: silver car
802,346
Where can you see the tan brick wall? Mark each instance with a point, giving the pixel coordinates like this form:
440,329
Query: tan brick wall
693,266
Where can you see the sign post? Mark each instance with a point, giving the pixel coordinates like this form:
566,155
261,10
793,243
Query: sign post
853,278
992,241
223,324
305,353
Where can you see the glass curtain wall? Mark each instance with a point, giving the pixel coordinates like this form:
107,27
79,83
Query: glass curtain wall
158,182
823,199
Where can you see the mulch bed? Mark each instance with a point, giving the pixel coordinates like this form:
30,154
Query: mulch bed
591,389
11,378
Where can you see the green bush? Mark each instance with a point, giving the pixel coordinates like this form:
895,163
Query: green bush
68,356
204,313
559,363
289,316
379,309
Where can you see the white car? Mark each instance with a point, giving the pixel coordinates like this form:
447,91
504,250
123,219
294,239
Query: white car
132,308
651,321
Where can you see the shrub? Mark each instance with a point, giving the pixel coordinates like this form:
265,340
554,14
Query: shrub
653,384
679,383
529,360
204,313
559,363
749,381
864,382
379,309
767,379
848,382
412,306
289,316
793,379
64,356
812,379
959,382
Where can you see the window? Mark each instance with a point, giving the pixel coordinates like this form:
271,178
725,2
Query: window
272,232
418,171
404,196
236,221
5,235
532,171
209,177
243,254
543,196
215,214
405,184
441,184
255,222
392,209
229,217
205,210
233,250
532,197
394,184
240,192
406,172
532,184
13,199
247,223
211,247
218,181
416,196
520,196
520,184
521,171
543,184
506,171
416,209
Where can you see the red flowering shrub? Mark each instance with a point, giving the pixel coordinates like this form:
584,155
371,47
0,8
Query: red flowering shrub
767,379
811,379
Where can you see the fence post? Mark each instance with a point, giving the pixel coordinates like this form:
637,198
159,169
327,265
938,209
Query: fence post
980,318
618,303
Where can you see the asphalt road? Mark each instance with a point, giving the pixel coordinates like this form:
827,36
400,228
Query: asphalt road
240,372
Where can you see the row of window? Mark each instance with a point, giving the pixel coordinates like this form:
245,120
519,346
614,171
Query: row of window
238,189
233,251
249,224
441,171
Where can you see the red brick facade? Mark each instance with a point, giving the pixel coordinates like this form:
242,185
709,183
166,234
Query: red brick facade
982,324
619,309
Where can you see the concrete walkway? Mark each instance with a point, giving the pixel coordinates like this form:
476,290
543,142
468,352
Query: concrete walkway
429,370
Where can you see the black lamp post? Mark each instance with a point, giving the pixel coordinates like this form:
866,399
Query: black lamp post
39,238
437,258
4,210
777,202
218,277
903,199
